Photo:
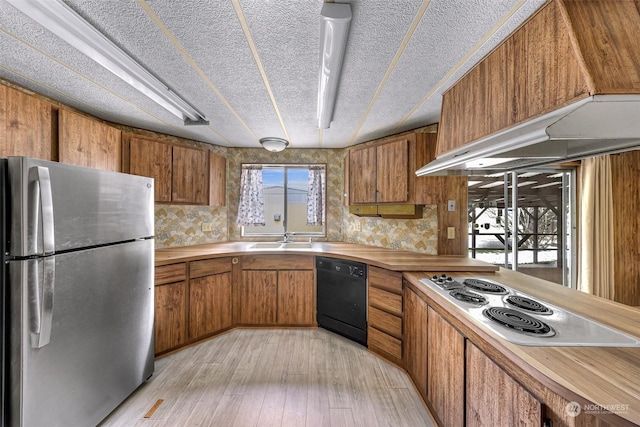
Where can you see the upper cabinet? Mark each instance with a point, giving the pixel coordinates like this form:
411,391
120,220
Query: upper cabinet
25,125
183,175
568,50
88,142
383,172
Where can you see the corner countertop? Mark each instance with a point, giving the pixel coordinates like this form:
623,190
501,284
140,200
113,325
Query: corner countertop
390,259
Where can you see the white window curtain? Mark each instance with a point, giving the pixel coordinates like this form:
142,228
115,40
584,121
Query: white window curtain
315,195
251,206
596,261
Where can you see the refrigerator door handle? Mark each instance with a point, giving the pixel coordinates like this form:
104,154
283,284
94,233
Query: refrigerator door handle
40,208
41,284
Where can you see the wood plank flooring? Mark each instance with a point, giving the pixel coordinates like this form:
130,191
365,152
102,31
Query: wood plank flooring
274,377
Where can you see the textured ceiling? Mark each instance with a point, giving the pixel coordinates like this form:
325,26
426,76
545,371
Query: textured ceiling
251,66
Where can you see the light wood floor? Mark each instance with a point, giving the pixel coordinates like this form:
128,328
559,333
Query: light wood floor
274,377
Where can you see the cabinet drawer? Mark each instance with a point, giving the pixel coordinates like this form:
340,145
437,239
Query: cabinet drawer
385,322
379,342
385,279
207,267
387,301
277,262
170,273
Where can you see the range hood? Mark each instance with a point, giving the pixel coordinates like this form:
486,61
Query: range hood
597,125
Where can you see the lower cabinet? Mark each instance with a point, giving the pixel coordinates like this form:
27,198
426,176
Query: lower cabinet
415,339
209,297
277,290
445,370
493,398
192,301
296,297
170,307
384,332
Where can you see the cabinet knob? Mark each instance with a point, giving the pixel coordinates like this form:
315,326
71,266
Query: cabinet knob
234,260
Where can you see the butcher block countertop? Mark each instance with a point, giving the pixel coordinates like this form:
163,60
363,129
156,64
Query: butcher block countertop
604,376
390,259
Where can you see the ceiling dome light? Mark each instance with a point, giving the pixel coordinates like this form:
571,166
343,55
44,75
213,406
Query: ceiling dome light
274,144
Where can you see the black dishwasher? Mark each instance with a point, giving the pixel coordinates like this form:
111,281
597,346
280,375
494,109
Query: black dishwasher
342,297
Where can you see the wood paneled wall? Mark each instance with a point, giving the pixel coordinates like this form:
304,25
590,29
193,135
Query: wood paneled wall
625,174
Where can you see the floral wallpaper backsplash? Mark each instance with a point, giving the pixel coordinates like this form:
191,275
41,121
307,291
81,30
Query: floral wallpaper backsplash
416,235
178,225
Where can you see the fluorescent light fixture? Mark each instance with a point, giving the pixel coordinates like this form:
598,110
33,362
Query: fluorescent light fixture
62,21
274,144
334,29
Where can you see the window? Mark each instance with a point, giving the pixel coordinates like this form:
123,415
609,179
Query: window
278,199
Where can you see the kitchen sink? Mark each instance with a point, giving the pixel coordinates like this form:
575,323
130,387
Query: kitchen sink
297,245
281,245
266,245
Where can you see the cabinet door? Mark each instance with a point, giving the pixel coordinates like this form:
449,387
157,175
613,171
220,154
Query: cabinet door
415,339
153,159
190,179
87,142
25,125
217,180
494,398
170,316
362,175
258,297
445,370
392,179
209,305
296,302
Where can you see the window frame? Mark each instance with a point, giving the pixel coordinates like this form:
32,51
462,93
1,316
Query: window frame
286,167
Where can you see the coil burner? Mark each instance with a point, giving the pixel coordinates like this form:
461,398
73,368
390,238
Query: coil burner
468,296
485,286
528,304
517,320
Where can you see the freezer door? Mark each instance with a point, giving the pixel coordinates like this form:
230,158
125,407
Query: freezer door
99,346
57,207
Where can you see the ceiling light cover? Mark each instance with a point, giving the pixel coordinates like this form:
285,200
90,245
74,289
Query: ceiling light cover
274,144
64,22
334,30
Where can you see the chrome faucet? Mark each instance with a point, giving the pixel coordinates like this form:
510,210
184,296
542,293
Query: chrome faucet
287,236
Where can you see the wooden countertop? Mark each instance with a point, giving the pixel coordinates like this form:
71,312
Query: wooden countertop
390,259
604,376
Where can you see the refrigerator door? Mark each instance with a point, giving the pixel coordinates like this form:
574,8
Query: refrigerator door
58,207
98,319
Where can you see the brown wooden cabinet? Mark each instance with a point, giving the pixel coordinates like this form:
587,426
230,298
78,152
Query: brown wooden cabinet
384,332
415,339
26,125
209,297
277,290
190,176
153,159
87,142
183,175
170,307
568,50
380,173
493,398
296,297
445,370
217,180
258,297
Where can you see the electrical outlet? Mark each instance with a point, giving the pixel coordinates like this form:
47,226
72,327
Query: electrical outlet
451,232
451,205
357,226
207,226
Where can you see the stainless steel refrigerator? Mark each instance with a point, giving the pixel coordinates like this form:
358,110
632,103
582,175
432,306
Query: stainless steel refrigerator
77,286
